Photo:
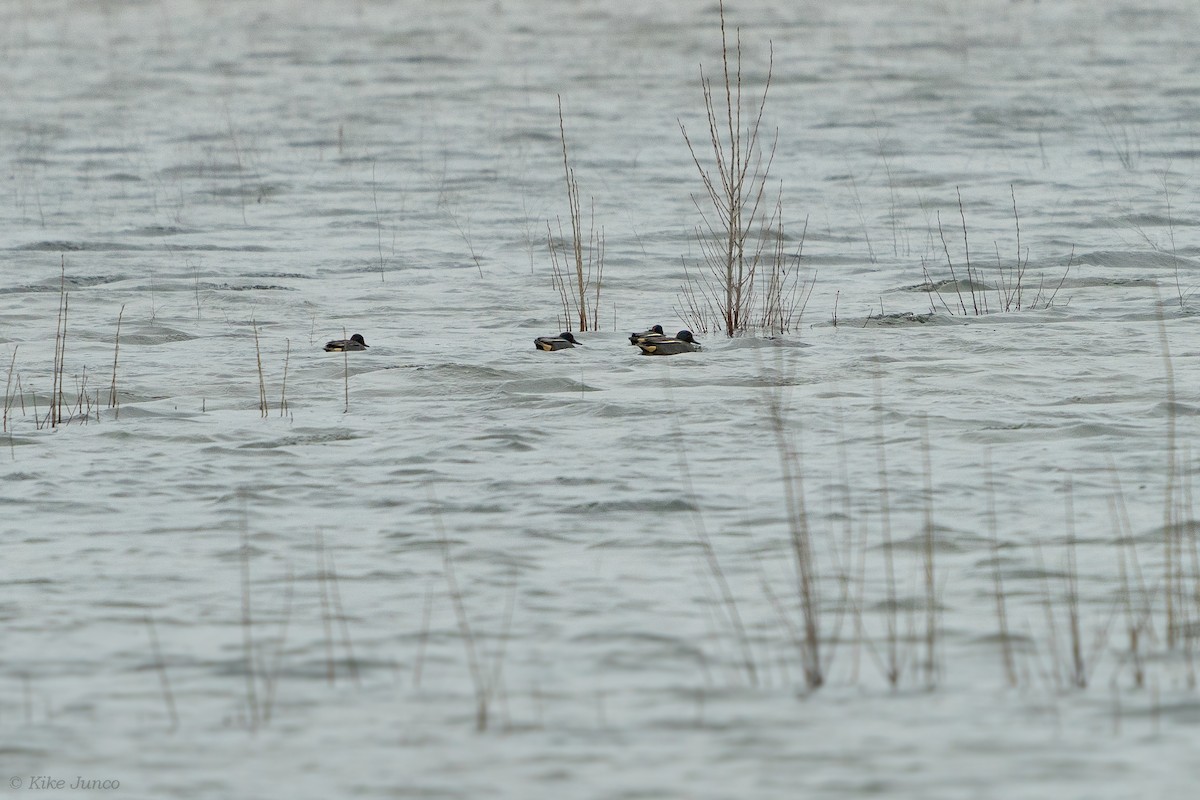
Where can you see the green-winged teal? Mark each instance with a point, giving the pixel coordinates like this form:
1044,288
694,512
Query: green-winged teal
560,342
682,342
355,342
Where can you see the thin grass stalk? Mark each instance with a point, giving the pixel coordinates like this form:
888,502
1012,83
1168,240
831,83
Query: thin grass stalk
8,387
929,546
894,667
1021,266
335,595
271,679
287,355
379,222
582,276
1078,666
496,680
714,625
1055,668
237,154
596,261
967,250
728,601
785,619
60,397
478,679
346,376
422,638
161,667
1132,622
1002,293
845,564
558,275
60,350
195,288
248,623
1062,280
326,613
1170,561
1006,648
1187,513
800,539
1139,619
262,385
946,248
113,400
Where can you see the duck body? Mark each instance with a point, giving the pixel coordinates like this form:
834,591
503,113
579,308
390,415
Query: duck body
655,332
560,342
682,342
355,342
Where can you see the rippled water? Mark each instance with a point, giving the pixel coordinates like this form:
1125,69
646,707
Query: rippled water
306,170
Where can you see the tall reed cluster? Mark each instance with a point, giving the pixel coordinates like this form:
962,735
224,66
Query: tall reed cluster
747,279
577,263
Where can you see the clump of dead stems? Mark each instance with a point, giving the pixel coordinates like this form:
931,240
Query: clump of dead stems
742,243
1010,292
578,274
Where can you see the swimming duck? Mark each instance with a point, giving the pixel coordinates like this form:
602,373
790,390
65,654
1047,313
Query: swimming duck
355,342
682,342
560,342
656,332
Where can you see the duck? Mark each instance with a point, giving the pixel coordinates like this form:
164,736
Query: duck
355,342
682,342
560,342
654,332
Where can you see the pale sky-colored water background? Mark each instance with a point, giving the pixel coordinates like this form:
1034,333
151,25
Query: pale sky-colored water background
311,169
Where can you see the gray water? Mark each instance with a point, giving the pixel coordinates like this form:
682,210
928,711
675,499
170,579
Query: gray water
302,171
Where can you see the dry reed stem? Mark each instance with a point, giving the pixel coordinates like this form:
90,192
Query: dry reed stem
8,386
800,538
475,668
346,376
423,638
113,401
735,194
728,600
60,348
1051,623
335,595
574,291
287,356
271,678
237,153
1139,618
161,667
967,250
945,247
894,665
1078,674
1170,548
1021,265
248,621
847,601
326,614
379,222
929,545
1006,648
262,385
